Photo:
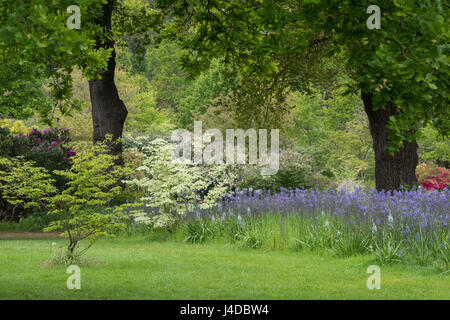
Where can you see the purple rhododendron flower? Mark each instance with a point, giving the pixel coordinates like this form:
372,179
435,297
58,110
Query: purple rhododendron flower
71,153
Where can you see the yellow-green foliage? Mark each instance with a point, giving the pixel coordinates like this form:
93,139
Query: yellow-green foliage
81,208
145,117
16,127
23,185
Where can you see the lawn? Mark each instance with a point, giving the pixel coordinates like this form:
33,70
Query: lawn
140,268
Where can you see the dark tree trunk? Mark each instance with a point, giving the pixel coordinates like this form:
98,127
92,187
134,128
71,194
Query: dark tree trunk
108,111
390,171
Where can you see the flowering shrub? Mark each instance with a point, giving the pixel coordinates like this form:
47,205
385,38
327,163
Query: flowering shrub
47,148
172,188
439,181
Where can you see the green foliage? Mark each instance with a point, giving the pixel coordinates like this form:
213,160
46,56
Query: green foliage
171,90
47,148
388,251
80,208
133,21
421,249
23,186
34,222
324,234
443,256
248,239
295,171
164,73
244,36
139,95
36,45
406,61
199,94
351,243
275,47
234,231
6,142
332,129
433,147
197,231
145,117
16,127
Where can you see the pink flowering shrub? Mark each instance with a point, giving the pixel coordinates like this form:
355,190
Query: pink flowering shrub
46,151
47,148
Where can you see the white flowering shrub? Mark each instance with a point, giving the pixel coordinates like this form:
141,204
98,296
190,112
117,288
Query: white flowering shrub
173,189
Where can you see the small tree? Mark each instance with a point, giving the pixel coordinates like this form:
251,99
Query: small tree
81,208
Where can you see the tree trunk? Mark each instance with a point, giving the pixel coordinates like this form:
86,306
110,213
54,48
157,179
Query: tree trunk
390,171
108,111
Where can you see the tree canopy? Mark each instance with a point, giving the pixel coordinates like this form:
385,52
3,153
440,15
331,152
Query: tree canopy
37,48
281,43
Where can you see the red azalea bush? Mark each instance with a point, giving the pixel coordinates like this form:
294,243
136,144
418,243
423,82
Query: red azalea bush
433,178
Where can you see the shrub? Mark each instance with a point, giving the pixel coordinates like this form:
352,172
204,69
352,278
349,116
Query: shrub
295,171
176,188
47,148
46,151
23,187
80,209
16,127
439,180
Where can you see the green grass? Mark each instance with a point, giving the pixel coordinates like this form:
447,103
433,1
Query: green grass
140,268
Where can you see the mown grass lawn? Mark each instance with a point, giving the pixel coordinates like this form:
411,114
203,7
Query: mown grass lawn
137,268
